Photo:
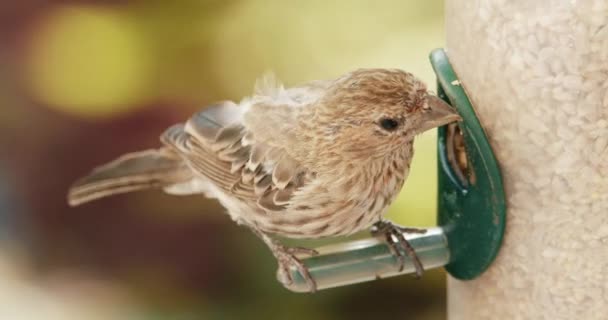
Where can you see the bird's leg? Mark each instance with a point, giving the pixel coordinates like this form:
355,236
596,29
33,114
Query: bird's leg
394,237
286,258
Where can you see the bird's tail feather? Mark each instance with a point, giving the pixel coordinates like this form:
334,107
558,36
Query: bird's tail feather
147,169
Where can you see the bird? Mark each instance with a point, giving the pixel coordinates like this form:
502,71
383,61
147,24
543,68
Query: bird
321,159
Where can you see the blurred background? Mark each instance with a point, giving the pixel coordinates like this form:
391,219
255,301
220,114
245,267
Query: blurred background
82,82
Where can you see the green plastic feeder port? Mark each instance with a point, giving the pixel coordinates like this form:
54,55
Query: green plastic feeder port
471,208
471,200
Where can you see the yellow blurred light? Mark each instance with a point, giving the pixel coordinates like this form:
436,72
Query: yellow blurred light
88,61
416,205
315,42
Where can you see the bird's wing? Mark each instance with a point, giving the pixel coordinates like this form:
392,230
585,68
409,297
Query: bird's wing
219,146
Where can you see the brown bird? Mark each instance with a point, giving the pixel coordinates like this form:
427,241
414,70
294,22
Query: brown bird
323,159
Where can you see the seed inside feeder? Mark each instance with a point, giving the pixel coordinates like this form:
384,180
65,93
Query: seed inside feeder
457,155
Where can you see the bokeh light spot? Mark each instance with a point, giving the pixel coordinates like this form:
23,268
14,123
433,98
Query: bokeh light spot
88,61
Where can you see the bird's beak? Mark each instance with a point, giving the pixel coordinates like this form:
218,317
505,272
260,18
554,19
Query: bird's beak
436,113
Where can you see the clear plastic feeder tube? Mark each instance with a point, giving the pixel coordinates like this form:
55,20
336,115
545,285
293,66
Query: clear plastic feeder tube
369,259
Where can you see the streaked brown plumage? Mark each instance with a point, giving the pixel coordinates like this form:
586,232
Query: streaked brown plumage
319,160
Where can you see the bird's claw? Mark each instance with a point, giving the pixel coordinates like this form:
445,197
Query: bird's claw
286,258
395,239
302,251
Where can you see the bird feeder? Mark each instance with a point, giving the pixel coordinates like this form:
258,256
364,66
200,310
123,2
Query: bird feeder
471,209
537,74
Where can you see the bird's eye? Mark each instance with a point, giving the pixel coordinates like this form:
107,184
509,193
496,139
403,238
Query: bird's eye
389,124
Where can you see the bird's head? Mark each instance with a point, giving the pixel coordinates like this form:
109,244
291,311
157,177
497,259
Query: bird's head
371,112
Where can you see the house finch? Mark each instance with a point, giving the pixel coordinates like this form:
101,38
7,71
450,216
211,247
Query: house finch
323,159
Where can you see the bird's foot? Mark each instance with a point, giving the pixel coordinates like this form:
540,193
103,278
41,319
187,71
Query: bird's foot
395,239
287,258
